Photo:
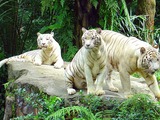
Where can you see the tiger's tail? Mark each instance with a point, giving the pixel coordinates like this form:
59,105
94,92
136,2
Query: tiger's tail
18,58
3,62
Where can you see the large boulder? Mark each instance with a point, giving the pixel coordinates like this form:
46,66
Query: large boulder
51,81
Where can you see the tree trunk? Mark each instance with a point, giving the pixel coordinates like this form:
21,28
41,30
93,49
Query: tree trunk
86,16
9,28
148,8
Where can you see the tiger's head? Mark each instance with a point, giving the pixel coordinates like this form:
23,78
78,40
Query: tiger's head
45,40
149,60
91,38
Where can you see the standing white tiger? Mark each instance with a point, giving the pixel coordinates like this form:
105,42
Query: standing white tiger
49,53
88,65
128,55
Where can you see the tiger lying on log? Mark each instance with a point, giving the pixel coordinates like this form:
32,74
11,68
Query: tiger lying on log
49,53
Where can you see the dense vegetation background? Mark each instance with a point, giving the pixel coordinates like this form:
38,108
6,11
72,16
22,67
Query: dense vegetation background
20,20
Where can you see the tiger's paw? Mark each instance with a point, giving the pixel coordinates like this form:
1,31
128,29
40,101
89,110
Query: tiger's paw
37,63
91,90
71,91
113,89
128,94
58,65
158,97
100,92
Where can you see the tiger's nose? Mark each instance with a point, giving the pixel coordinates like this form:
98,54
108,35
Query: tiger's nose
87,45
43,43
156,69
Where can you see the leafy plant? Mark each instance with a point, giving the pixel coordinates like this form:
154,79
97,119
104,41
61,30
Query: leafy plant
120,19
108,14
72,113
138,107
137,75
157,74
90,107
92,102
46,104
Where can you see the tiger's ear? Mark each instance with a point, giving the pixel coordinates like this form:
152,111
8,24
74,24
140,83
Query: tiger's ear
84,29
52,33
155,45
99,30
38,33
142,50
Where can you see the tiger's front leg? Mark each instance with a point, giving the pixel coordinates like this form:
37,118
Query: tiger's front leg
89,80
152,84
100,81
59,63
109,82
125,81
70,89
38,60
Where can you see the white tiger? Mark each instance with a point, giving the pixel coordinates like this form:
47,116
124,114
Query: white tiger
128,55
49,53
88,65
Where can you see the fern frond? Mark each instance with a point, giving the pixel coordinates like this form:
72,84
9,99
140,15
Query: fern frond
62,2
137,107
94,2
104,114
87,114
127,15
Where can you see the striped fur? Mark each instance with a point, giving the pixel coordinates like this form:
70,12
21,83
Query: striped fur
88,65
49,53
128,55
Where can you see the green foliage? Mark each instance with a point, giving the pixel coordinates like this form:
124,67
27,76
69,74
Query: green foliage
46,104
99,106
72,111
157,74
134,25
70,53
108,14
118,16
92,102
7,87
137,75
138,107
89,107
4,12
94,3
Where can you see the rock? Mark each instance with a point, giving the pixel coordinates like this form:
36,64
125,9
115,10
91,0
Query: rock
46,78
51,81
8,108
